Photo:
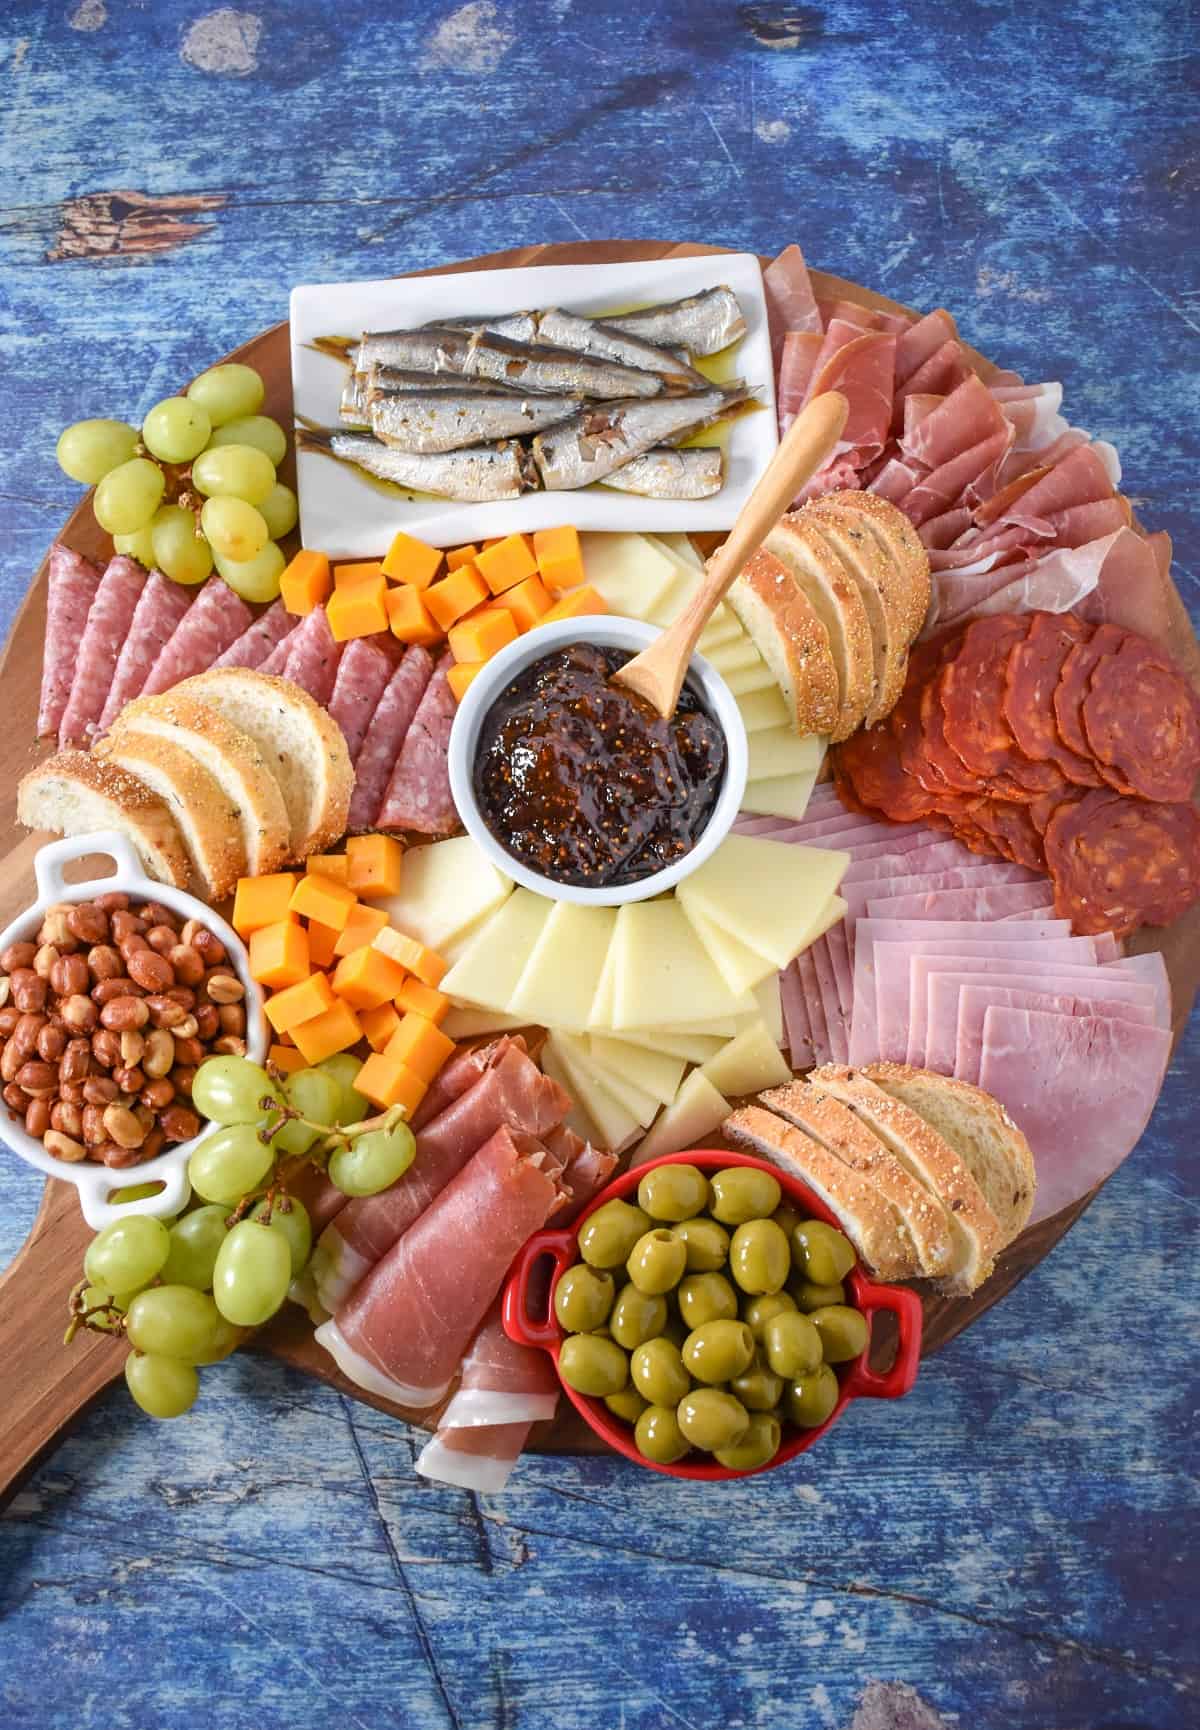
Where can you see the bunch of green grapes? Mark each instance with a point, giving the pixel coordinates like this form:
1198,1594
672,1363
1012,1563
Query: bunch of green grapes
186,1291
221,503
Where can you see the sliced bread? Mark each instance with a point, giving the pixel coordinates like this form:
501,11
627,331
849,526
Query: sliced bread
304,747
979,1130
869,1220
900,541
73,793
206,817
884,595
918,1147
835,1126
791,639
232,758
835,598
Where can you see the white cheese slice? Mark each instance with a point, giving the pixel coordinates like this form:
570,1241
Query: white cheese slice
675,597
655,1072
767,894
628,570
486,973
756,678
748,1063
683,548
577,1118
780,795
696,1111
723,627
777,751
635,1099
765,708
770,1005
734,657
663,974
741,968
466,1022
558,984
692,1048
601,1012
445,888
614,1122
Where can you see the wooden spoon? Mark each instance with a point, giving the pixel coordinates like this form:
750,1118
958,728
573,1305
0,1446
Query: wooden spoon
657,674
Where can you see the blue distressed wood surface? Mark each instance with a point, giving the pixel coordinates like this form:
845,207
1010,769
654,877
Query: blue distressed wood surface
1014,1546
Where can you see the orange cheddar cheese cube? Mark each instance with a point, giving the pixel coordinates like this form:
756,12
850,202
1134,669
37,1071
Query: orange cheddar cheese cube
505,563
379,1024
385,1081
286,1058
345,576
460,675
460,556
321,939
375,864
527,602
575,605
409,617
363,924
359,610
287,1009
321,898
420,999
482,636
334,865
279,954
411,561
420,1046
335,1029
305,583
261,901
365,978
558,555
427,966
454,596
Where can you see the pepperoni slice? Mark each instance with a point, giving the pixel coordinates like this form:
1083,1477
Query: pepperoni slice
1010,829
870,767
1034,669
1142,720
923,749
1073,683
971,689
1118,863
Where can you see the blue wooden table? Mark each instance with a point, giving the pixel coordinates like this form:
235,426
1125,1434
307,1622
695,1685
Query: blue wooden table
1015,1546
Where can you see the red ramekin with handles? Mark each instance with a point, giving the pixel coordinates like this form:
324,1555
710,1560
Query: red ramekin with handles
857,1379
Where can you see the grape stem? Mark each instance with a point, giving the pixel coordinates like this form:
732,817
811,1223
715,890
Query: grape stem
81,1315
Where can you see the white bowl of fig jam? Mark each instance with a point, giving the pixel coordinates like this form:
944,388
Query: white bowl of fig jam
574,786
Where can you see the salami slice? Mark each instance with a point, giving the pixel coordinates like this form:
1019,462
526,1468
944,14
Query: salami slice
255,645
1119,863
418,795
385,736
1008,827
1073,683
215,619
109,621
1034,668
869,775
1142,720
276,661
313,657
971,690
160,608
71,586
362,677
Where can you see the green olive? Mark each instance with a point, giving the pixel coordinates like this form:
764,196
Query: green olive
811,1398
582,1299
757,1311
593,1365
844,1332
637,1316
823,1254
741,1193
673,1192
706,1242
787,1218
718,1351
657,1261
658,1372
711,1419
627,1404
755,1448
758,1388
706,1297
676,1331
809,1297
759,1257
792,1345
659,1437
606,1239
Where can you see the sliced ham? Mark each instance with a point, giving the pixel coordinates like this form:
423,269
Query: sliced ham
362,677
313,657
926,974
71,585
962,1054
255,646
796,1026
898,884
216,618
1150,969
418,793
385,735
791,303
811,986
837,1032
109,621
158,614
995,901
480,1460
969,416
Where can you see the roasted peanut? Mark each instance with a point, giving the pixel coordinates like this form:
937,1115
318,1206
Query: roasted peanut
112,901
70,1092
23,1041
69,976
129,1079
111,1153
229,1045
225,988
63,1146
157,1094
106,1047
123,1127
153,1145
158,1052
93,1124
76,1061
104,962
154,913
165,1012
80,1014
207,944
67,1118
208,1021
119,987
183,995
187,1028
182,1077
179,1124
100,1090
88,923
187,962
56,928
122,1013
37,1078
16,1099
152,972
162,938
189,1051
10,1062
28,991
37,1118
9,1016
15,955
51,1043
232,1018
131,946
132,1046
44,960
125,924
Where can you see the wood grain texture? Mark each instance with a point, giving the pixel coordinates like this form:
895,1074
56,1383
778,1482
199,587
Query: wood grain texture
1011,1546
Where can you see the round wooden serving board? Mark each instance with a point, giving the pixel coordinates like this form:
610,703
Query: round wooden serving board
48,1385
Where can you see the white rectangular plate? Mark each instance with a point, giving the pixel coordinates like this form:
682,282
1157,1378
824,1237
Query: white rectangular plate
349,516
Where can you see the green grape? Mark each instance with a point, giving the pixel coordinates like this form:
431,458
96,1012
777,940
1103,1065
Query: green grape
174,1321
137,1192
230,1163
139,545
255,579
294,1227
235,472
176,430
373,1161
195,1240
344,1069
128,496
162,1387
127,1254
227,392
180,550
232,1089
253,1273
88,450
235,529
259,430
314,1095
225,1341
279,511
94,1295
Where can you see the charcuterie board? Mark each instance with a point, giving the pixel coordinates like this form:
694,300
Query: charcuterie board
49,1387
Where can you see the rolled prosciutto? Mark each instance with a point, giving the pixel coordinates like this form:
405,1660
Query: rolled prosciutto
475,1459
501,1382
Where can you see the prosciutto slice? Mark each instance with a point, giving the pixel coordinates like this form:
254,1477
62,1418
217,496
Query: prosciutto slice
481,1460
921,341
945,369
797,364
860,364
791,303
968,416
501,1382
940,490
1114,580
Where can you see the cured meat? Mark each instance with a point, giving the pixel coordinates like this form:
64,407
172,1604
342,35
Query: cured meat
1131,586
418,794
940,489
1080,1090
939,533
861,365
872,765
971,691
836,1029
1142,720
894,481
458,1074
935,981
946,368
109,620
797,365
501,1382
969,416
216,618
1074,681
791,304
1035,665
796,1025
313,657
385,735
1005,827
1149,969
1080,478
961,1056
1118,863
921,341
71,586
984,903
362,677
409,1321
587,1174
822,1050
481,1460
254,647
160,608
276,661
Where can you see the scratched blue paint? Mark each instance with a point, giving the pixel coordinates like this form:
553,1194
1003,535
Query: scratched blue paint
1013,1544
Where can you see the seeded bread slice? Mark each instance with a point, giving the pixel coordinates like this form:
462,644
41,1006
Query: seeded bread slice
980,1131
206,817
884,594
835,598
791,639
899,541
73,793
